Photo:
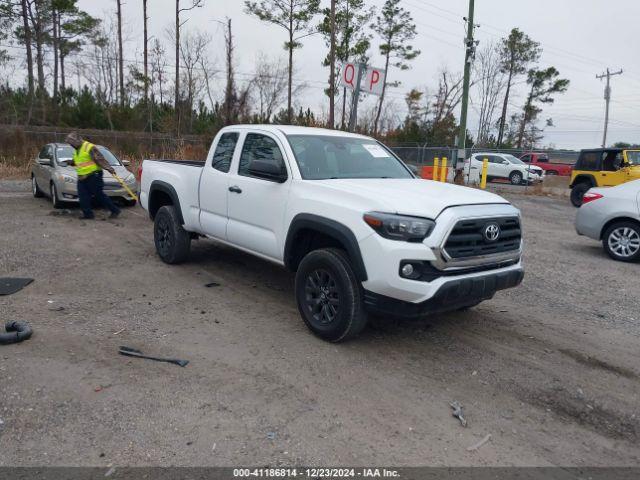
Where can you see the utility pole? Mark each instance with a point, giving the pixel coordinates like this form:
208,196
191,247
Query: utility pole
470,53
607,98
353,119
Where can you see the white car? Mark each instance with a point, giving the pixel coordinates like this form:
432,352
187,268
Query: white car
503,166
344,213
612,215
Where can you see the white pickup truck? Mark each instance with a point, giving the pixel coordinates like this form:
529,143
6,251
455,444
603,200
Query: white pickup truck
342,211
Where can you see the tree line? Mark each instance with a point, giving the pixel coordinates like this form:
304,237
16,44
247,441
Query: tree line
72,70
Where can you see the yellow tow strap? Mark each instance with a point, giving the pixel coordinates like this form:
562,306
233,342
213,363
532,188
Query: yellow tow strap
124,185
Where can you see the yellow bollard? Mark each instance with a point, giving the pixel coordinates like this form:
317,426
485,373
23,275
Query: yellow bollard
444,171
436,171
483,179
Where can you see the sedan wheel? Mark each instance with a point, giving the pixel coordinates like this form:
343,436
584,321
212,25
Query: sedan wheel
54,196
622,241
34,187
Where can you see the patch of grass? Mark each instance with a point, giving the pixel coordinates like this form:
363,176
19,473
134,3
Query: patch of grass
15,168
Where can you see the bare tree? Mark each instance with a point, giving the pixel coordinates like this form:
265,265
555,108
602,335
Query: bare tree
193,47
448,96
192,4
158,69
146,49
491,82
24,5
120,53
270,84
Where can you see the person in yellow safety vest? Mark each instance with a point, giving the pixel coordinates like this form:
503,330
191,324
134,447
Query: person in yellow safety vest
90,163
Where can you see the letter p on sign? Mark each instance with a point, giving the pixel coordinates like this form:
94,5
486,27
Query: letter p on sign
374,81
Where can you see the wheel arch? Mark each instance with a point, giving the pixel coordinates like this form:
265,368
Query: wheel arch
618,220
584,178
162,194
308,232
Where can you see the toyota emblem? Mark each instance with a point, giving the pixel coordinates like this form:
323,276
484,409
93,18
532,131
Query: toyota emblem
492,232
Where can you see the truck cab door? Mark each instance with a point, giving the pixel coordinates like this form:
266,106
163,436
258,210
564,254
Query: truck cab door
214,184
257,204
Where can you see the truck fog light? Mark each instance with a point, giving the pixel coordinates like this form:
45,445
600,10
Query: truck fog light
407,270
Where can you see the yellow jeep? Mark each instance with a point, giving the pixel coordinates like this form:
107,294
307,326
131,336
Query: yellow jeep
603,167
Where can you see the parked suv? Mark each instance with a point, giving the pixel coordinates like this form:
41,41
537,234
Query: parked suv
53,175
505,166
603,167
343,212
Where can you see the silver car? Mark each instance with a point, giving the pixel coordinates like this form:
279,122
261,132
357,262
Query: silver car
51,175
612,215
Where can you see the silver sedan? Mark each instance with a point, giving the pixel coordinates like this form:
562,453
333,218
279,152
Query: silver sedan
612,215
51,175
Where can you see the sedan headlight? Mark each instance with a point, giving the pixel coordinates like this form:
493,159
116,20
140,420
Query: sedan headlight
131,178
400,227
67,178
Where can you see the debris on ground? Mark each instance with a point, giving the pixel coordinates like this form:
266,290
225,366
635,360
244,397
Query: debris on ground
119,331
458,412
16,332
271,435
61,213
132,352
477,445
9,286
212,284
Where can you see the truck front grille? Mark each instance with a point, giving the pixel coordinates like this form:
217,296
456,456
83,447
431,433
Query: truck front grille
468,238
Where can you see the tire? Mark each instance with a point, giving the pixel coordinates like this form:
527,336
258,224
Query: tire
577,192
515,178
55,201
37,193
329,296
173,242
622,241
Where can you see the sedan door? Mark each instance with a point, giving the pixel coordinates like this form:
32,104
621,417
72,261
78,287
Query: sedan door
214,184
44,168
257,205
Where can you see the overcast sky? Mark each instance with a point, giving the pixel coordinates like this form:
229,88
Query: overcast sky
579,37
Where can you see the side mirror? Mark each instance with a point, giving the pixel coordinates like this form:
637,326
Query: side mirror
126,163
267,170
506,162
44,161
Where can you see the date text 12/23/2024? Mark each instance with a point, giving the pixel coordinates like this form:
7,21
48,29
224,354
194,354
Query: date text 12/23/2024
315,473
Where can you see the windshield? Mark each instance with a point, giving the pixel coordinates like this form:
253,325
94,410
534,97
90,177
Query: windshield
513,159
329,157
64,153
633,157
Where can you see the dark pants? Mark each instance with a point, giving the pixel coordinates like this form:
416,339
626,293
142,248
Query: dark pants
91,187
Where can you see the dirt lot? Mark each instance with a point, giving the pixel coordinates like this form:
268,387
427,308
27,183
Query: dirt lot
551,370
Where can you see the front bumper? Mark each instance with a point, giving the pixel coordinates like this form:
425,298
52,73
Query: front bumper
452,295
68,192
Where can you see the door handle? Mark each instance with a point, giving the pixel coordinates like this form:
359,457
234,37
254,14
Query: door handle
235,189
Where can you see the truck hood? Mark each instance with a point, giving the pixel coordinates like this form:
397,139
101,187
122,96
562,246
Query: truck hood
415,197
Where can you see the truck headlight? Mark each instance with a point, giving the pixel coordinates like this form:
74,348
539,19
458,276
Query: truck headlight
399,227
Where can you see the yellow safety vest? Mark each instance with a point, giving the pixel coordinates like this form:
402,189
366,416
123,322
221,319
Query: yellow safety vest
83,162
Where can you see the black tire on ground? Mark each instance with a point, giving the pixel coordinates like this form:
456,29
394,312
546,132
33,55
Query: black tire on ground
129,203
35,189
577,192
55,201
515,178
621,241
173,242
329,296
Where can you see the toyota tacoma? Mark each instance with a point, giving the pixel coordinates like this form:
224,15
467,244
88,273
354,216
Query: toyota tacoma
361,233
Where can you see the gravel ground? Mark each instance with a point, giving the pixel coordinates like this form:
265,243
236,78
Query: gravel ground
550,369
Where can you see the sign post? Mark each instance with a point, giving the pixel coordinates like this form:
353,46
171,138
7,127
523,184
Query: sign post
352,76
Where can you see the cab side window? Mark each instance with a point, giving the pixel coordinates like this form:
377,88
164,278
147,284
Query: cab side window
46,152
526,158
259,147
224,152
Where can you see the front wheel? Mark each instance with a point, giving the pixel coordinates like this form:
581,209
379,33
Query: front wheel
173,242
55,201
37,193
329,296
515,178
577,192
622,241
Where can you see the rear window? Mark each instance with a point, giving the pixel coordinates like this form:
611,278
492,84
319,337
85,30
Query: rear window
589,161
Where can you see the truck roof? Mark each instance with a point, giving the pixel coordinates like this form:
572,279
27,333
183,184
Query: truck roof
296,130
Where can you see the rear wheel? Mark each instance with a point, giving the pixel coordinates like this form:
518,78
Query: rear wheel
55,201
515,178
173,242
577,192
34,188
329,295
622,241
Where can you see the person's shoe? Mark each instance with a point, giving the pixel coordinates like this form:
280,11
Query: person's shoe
114,215
87,217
